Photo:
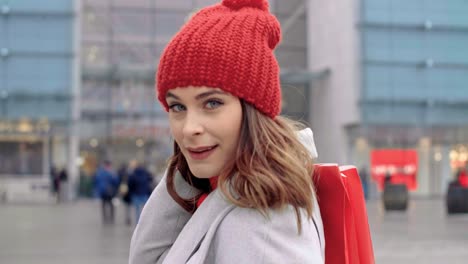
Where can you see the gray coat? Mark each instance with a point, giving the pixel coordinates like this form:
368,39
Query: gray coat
219,232
222,233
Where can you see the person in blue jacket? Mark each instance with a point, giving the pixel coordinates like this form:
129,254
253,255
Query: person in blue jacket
139,188
106,183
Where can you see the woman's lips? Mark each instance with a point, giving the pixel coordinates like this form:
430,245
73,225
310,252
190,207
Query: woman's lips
201,153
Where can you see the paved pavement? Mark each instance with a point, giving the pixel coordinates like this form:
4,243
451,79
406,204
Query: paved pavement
73,233
423,234
64,233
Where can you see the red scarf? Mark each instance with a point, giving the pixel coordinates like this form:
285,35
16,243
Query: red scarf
214,184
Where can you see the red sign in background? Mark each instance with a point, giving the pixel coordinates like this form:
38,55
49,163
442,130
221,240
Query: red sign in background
400,164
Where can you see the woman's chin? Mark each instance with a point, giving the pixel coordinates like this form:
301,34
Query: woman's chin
203,174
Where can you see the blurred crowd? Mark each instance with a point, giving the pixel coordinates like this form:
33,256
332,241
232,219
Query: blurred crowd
130,183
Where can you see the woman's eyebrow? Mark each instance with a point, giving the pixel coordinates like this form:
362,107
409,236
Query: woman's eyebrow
206,94
198,97
169,94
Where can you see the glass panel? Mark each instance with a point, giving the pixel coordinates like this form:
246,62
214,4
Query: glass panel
95,54
168,23
392,114
95,95
417,11
21,158
133,97
131,23
132,3
138,54
416,46
96,4
39,107
204,3
159,50
175,4
41,6
96,23
40,34
390,82
29,74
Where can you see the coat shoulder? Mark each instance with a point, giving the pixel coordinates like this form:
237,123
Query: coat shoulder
250,220
247,233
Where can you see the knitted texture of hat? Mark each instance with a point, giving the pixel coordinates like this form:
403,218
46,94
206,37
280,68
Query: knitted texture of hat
228,46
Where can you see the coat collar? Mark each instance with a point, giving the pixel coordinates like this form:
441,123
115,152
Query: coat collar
208,215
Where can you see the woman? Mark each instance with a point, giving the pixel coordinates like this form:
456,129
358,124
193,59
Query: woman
238,188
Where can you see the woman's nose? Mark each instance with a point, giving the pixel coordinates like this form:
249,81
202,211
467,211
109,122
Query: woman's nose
193,124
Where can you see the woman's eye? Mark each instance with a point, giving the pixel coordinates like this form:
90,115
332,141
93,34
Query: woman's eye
211,104
177,107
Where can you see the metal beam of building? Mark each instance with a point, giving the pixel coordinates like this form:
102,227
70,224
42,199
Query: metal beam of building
302,76
298,12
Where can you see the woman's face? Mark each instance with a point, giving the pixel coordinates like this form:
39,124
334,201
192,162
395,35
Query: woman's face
205,122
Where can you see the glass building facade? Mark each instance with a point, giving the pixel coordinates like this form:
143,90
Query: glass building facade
121,45
37,92
397,81
415,84
77,82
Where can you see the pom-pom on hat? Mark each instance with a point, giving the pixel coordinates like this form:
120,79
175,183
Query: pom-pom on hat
238,4
228,46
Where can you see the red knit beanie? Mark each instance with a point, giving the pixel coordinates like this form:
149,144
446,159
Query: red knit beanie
227,46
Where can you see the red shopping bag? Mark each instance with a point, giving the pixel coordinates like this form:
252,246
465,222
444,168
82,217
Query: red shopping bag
344,215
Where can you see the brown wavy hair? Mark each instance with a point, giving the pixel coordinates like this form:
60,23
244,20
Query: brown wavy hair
272,168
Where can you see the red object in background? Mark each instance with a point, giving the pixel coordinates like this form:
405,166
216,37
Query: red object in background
463,179
400,164
344,215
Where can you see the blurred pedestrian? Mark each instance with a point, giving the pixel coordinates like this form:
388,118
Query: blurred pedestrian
364,181
139,188
63,175
388,178
124,193
55,182
238,188
63,183
106,185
